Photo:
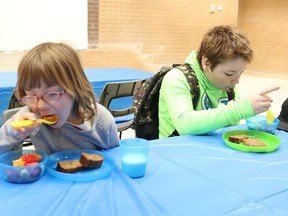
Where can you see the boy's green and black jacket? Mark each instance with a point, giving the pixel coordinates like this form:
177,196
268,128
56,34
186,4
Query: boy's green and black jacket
212,112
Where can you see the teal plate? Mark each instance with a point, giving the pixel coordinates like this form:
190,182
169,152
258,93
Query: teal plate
270,140
82,176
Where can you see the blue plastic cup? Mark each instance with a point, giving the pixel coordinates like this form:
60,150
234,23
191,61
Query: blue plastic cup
259,123
134,155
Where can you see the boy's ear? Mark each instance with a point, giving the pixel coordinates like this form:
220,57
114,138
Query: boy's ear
205,63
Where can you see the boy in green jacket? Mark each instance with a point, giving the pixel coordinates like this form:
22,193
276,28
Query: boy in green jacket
218,64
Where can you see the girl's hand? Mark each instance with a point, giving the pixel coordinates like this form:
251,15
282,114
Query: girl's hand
25,116
260,101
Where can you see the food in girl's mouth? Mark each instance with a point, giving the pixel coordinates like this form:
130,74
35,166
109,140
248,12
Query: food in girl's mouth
51,118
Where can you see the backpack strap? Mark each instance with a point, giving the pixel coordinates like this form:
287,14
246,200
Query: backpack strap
194,86
192,81
231,94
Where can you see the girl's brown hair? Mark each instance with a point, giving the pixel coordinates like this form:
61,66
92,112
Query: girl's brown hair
224,42
57,64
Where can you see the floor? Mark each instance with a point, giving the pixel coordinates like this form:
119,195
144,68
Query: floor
249,83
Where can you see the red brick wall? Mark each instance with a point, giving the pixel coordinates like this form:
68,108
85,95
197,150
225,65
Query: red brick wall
146,34
266,23
93,23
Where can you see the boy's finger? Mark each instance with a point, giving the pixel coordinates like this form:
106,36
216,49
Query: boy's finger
268,90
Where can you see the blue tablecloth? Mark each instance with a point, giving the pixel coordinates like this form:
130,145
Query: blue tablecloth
97,76
186,175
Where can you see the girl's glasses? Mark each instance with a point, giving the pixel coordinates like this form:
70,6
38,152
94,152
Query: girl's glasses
49,97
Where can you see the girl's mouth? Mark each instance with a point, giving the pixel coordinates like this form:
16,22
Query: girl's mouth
52,118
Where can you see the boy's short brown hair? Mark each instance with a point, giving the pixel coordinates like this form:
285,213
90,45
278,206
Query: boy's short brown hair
224,42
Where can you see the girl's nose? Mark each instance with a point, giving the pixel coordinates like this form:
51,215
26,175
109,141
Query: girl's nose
41,104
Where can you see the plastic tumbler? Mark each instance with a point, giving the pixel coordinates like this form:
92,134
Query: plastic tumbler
134,155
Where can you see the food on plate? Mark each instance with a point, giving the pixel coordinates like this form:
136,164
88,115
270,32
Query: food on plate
27,160
254,142
91,160
246,140
238,138
69,166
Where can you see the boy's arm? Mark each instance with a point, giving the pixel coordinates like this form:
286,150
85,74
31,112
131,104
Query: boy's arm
178,100
204,121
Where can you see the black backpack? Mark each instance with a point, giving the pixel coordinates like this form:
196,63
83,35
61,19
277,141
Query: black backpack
146,98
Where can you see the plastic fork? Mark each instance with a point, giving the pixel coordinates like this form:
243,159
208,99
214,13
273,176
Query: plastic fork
270,117
45,120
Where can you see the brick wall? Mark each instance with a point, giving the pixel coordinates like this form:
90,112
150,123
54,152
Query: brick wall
93,23
266,23
146,34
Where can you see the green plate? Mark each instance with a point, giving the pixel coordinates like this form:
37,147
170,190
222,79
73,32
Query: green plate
270,140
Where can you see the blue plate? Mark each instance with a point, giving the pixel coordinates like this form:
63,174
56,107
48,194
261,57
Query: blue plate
84,175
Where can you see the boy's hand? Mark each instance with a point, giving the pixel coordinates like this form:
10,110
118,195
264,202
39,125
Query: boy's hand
260,101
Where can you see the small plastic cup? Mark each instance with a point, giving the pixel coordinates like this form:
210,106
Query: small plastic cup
259,123
134,155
